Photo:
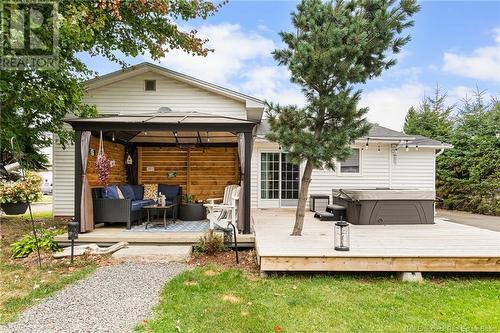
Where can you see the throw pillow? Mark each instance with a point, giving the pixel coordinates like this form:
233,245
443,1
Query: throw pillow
120,194
150,191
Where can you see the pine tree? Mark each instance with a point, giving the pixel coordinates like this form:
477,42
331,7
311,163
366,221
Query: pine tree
337,45
432,118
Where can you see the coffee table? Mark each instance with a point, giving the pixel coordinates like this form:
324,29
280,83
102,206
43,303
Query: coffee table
148,208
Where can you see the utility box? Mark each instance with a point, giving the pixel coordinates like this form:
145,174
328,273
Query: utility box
318,202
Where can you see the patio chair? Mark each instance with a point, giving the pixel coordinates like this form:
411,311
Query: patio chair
225,211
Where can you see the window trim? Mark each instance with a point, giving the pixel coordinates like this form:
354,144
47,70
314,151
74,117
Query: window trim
145,84
338,166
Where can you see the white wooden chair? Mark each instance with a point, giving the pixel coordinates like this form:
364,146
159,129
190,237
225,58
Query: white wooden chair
226,211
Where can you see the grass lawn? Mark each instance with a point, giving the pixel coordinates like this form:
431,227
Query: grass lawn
21,281
226,300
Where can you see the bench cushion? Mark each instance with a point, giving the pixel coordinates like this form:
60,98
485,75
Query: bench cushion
138,204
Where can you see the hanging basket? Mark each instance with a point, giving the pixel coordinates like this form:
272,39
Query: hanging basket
16,208
102,164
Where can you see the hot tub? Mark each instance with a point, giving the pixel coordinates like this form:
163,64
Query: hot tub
387,206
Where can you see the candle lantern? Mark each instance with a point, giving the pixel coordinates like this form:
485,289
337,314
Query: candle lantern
73,228
341,236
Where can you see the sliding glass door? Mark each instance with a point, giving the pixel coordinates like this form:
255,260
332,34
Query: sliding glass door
279,181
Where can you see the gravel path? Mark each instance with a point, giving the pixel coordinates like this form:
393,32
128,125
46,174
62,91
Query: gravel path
112,299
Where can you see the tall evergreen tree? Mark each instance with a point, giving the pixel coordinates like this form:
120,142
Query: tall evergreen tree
338,44
468,176
432,118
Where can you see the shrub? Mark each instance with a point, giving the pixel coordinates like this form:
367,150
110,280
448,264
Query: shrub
26,244
210,243
21,190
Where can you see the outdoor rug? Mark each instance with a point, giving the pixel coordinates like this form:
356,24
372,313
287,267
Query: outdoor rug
178,226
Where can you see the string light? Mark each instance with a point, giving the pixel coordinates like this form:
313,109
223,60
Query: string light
406,146
378,148
416,147
145,132
366,146
113,137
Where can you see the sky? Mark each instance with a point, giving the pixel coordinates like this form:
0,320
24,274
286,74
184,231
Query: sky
455,44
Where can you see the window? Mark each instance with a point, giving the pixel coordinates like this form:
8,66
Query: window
150,85
352,163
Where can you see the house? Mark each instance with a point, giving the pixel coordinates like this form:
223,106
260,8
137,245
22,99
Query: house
204,137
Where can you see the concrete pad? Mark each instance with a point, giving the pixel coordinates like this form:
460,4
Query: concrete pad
156,253
411,276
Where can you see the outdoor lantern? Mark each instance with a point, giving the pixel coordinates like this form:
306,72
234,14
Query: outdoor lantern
341,236
73,227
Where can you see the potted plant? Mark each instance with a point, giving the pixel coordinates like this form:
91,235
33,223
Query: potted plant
15,195
189,198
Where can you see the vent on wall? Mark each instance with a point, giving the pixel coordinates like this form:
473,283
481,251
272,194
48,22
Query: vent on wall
150,85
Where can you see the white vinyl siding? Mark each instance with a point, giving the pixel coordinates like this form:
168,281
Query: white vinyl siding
412,169
259,145
374,167
128,96
63,179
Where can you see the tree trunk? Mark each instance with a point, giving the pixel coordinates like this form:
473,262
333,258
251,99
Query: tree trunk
301,206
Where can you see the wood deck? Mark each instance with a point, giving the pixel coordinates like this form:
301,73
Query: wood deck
443,246
106,236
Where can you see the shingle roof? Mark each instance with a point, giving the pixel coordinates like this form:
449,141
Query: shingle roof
378,132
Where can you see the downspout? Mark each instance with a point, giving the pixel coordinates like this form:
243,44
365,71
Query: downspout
440,152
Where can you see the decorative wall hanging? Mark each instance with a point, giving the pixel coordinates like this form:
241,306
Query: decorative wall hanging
102,164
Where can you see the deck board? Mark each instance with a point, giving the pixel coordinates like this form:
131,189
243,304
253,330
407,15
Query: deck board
443,246
111,235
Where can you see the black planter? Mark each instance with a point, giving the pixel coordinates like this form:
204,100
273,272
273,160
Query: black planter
16,208
192,212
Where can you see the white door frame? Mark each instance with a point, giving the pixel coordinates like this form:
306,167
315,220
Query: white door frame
271,203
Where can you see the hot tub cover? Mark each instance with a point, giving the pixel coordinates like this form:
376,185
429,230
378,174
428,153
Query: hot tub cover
389,194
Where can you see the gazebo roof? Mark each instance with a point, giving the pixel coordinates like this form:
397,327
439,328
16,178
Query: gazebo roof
163,121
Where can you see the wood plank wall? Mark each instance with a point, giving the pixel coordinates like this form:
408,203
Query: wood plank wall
202,172
114,151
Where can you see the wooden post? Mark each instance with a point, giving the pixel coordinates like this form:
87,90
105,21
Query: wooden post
78,176
139,165
247,182
188,175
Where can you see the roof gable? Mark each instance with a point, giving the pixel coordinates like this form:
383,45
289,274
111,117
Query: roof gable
100,81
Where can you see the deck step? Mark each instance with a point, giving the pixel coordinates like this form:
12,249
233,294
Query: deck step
157,253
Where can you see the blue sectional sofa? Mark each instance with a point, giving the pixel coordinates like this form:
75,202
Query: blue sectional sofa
110,208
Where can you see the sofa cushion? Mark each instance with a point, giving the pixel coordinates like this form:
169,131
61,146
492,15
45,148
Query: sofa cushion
138,191
169,191
138,204
110,192
127,191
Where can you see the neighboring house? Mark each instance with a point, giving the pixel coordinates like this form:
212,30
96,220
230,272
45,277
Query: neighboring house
385,158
